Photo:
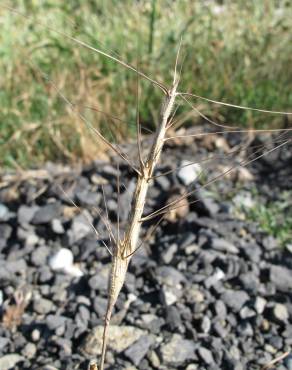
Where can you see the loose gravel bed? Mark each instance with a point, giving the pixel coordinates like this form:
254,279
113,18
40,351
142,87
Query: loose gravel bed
208,291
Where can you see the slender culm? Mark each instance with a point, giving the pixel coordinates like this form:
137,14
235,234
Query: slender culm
125,248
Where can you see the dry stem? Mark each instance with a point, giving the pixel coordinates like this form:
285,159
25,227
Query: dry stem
125,248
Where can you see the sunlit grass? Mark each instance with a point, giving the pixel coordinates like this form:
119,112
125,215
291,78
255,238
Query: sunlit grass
239,52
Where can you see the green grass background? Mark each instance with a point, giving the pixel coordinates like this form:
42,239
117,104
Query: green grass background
234,51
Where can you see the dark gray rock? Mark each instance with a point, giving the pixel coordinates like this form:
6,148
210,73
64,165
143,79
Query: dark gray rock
235,299
99,281
125,200
250,282
88,198
55,321
82,317
288,362
80,227
206,356
219,329
172,318
99,306
3,343
47,213
5,231
220,309
244,329
138,350
39,255
252,252
281,277
26,213
223,245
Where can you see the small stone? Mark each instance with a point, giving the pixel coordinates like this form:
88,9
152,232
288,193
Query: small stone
125,200
206,324
281,277
280,313
168,254
269,348
137,351
260,304
63,261
82,317
4,213
235,299
220,309
88,198
246,312
25,214
35,335
120,338
55,321
154,359
288,362
29,350
173,319
206,356
99,281
5,231
172,356
219,329
245,329
57,226
31,240
223,245
169,275
194,295
8,362
168,295
189,172
192,367
47,213
80,227
43,306
40,255
214,278
3,343
99,306
250,282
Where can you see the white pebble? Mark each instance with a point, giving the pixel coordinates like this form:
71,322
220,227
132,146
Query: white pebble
62,260
189,172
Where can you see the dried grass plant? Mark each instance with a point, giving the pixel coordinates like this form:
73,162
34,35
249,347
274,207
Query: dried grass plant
123,246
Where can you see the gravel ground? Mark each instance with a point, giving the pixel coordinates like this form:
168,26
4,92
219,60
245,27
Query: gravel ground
208,291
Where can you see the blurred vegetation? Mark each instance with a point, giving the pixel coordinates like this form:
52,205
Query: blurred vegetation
275,217
238,52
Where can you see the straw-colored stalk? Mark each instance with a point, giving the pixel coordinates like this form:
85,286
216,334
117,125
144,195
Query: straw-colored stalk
125,248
